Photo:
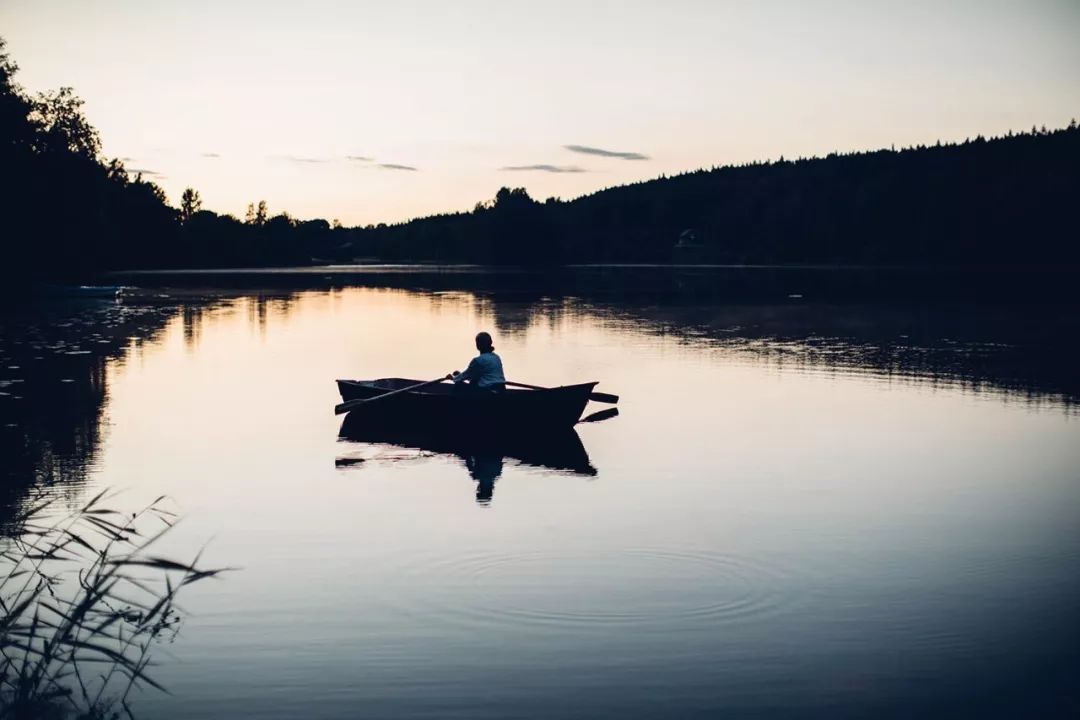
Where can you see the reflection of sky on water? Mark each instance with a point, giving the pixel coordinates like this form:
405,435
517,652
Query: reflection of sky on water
796,509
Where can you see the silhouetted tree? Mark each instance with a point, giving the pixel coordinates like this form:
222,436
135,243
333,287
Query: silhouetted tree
16,133
62,126
190,203
116,172
256,214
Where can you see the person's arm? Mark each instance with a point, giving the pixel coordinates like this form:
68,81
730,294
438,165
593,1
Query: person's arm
468,374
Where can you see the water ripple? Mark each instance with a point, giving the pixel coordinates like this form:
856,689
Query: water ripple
605,587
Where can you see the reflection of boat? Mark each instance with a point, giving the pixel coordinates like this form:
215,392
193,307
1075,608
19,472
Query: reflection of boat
450,405
558,449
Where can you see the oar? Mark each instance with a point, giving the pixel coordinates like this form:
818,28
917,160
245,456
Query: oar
600,415
596,396
351,404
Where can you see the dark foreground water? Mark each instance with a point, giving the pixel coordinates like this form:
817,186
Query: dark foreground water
811,504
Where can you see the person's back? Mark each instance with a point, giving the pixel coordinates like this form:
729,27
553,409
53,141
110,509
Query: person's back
485,371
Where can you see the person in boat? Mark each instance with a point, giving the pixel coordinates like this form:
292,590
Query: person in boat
485,371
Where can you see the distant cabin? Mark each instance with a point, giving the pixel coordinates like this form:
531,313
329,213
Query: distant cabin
688,247
688,239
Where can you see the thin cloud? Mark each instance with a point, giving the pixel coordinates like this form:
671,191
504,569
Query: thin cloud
585,150
545,168
144,171
211,155
304,160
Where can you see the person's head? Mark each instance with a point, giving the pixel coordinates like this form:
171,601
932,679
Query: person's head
483,342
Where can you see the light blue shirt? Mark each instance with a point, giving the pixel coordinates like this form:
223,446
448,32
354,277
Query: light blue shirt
484,371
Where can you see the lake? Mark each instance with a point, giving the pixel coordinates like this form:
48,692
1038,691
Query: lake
820,498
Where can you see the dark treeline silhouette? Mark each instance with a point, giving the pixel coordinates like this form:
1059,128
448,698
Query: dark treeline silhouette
1004,201
67,212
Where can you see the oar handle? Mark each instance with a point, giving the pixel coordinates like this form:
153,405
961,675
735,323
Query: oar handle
523,385
595,397
352,404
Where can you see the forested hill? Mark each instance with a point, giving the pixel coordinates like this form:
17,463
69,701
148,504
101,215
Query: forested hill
1009,200
66,212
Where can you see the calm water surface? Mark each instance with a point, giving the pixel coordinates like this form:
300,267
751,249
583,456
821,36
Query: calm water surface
803,508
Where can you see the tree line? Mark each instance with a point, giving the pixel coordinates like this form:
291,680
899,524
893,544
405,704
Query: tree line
1003,201
68,212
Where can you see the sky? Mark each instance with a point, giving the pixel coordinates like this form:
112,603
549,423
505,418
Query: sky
375,112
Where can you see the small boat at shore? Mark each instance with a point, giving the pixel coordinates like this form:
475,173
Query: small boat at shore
441,404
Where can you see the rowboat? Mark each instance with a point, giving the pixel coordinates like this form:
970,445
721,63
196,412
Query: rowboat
559,449
445,405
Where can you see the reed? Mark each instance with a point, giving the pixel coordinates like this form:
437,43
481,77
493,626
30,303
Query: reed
83,600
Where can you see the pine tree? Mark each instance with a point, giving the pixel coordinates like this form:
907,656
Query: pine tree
190,203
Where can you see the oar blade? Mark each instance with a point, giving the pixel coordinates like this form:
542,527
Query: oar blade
604,397
600,415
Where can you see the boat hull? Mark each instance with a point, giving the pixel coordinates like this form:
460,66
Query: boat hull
445,405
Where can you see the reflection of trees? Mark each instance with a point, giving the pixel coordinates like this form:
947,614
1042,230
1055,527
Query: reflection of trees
513,315
55,356
54,360
263,306
55,374
1025,353
51,415
192,317
1001,331
1009,332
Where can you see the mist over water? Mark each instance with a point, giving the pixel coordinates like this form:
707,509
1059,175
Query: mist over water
814,502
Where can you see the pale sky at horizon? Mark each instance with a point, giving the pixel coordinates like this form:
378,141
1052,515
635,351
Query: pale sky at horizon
319,108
